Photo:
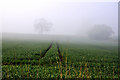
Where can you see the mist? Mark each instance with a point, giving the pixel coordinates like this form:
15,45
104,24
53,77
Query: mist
72,19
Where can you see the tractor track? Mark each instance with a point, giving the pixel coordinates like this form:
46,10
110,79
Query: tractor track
45,51
41,56
60,56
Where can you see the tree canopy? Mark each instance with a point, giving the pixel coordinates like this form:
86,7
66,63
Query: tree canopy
100,32
42,25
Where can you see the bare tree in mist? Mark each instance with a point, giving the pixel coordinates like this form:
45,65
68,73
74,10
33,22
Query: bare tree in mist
100,32
41,25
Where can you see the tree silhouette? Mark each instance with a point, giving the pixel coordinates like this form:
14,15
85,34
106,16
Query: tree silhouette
100,32
41,25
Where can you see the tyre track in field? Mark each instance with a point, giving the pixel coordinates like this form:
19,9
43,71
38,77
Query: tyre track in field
60,56
45,51
38,54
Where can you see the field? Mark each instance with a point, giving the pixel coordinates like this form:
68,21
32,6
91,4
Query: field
30,60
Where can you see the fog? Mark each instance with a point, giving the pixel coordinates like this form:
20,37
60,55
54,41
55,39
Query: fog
68,18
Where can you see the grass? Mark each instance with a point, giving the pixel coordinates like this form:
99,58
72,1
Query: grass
79,60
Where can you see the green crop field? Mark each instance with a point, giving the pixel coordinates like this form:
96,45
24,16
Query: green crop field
23,59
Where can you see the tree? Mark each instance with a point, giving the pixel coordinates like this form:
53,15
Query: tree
100,32
41,25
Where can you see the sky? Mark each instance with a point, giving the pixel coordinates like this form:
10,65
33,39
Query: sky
68,17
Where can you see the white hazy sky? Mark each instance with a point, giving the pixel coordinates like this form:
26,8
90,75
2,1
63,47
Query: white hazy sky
68,17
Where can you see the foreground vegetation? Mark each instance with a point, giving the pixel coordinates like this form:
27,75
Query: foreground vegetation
22,59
